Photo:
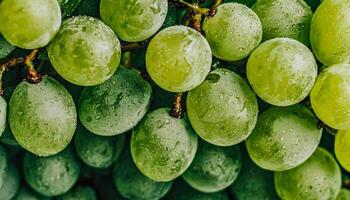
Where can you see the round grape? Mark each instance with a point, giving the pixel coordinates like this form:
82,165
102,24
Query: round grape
29,24
42,116
26,194
3,115
162,146
11,184
79,193
85,51
178,59
317,178
342,148
233,32
344,194
8,138
223,109
135,20
3,165
117,105
282,71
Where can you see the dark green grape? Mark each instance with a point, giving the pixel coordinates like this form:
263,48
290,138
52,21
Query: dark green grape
3,165
26,194
117,105
97,151
7,136
68,6
53,175
79,193
11,184
5,47
344,194
3,114
162,146
107,191
213,168
42,116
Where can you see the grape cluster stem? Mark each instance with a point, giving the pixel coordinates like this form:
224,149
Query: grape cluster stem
176,110
32,75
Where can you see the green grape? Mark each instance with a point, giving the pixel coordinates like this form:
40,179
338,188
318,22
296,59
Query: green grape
3,114
342,148
163,146
79,193
317,178
284,138
7,136
329,32
330,96
29,24
214,168
11,183
53,175
282,71
344,194
223,109
284,18
85,51
97,151
117,105
5,47
42,116
233,32
132,184
26,194
134,20
178,59
3,165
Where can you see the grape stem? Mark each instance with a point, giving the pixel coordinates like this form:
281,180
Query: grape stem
176,110
5,67
126,59
134,45
328,129
32,75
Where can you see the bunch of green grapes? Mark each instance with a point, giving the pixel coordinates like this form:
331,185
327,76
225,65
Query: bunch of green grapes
233,32
79,193
134,20
3,115
12,183
342,148
282,71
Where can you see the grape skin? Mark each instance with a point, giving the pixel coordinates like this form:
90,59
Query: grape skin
178,59
11,183
3,165
26,194
342,148
282,71
79,193
134,20
344,194
233,32
85,51
42,116
3,115
29,24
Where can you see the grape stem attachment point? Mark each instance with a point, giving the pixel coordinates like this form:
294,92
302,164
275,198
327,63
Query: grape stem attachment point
32,75
176,110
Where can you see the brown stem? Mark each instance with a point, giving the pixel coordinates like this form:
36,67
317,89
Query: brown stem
6,66
176,110
32,75
134,45
193,7
328,129
126,59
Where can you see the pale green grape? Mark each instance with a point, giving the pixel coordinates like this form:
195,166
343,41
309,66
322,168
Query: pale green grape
162,146
11,183
79,193
342,148
134,20
233,32
42,116
329,37
29,24
214,168
3,114
344,194
53,175
26,194
330,96
117,105
284,137
178,59
3,165
223,109
319,178
85,51
282,71
284,18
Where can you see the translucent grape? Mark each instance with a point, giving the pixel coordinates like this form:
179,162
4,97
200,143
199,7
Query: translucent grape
11,184
117,105
233,32
97,151
342,148
284,137
282,71
79,193
3,165
317,178
85,51
329,37
162,146
42,116
284,18
213,168
178,59
29,24
344,194
26,194
3,114
134,20
53,175
223,109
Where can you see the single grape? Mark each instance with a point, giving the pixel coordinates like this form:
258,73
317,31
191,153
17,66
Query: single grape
178,58
233,32
97,151
132,184
214,168
117,105
26,194
284,18
330,96
3,165
29,24
317,178
342,148
134,20
329,32
79,193
344,194
284,138
282,71
7,136
162,146
11,184
223,109
53,175
85,51
3,115
42,116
